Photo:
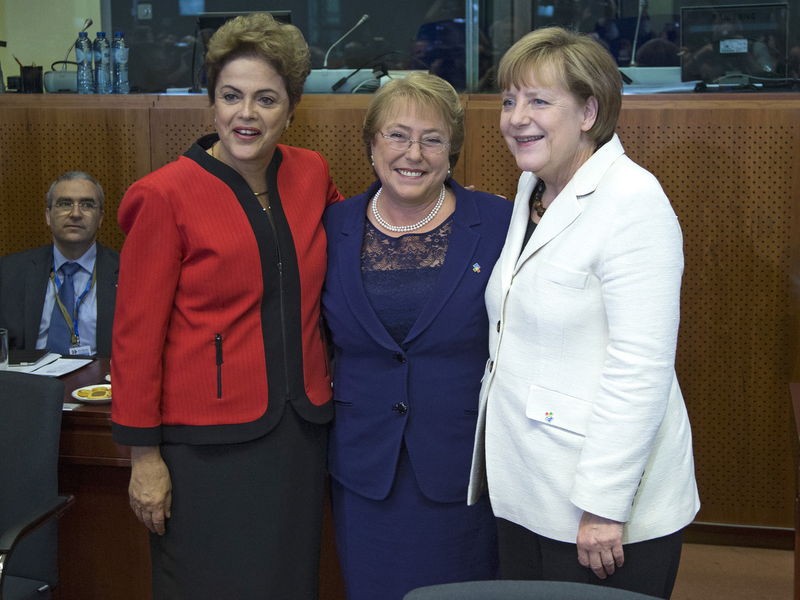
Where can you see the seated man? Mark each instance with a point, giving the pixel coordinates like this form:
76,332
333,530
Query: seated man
61,296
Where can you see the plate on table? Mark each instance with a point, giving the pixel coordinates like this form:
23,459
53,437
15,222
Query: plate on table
93,394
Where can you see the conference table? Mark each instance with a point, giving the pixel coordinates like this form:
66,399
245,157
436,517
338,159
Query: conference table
103,549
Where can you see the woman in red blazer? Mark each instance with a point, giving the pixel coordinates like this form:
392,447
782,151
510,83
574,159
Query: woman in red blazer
221,386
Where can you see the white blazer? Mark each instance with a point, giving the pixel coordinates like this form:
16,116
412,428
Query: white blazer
580,409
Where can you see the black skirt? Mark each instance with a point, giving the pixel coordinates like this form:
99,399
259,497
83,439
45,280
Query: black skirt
246,518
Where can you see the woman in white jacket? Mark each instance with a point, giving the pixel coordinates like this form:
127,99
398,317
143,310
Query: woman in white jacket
583,436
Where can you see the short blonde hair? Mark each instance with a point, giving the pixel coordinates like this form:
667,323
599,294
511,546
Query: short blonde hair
260,36
423,91
578,62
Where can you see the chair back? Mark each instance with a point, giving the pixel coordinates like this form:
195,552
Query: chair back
522,590
30,429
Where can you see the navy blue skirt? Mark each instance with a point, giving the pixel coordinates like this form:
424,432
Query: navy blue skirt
389,547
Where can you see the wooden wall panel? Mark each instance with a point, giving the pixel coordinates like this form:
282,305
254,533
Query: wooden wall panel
329,124
487,161
42,137
333,128
731,170
730,165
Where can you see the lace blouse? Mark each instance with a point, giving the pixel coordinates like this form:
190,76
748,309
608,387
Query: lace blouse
399,273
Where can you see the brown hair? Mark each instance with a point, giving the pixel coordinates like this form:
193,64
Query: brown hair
424,91
578,62
260,36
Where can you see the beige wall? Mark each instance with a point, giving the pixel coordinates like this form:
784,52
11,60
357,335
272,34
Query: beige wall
40,31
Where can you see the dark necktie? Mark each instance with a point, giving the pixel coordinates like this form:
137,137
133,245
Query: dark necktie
59,338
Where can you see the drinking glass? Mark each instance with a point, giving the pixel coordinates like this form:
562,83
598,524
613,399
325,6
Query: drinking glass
3,348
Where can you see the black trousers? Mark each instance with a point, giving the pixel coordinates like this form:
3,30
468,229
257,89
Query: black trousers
246,518
650,566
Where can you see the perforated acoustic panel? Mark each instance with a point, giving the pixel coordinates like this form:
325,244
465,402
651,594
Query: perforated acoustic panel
730,168
488,164
729,165
329,128
329,125
732,176
37,144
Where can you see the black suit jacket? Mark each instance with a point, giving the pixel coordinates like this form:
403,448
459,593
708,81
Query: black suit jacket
23,285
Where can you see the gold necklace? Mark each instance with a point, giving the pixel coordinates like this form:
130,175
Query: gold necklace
536,199
256,194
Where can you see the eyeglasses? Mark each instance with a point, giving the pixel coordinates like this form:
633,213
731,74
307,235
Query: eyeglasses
85,206
401,142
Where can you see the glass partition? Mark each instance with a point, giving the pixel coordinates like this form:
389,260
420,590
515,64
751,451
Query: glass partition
460,40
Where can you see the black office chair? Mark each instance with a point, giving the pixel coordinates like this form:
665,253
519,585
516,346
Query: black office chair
30,428
521,590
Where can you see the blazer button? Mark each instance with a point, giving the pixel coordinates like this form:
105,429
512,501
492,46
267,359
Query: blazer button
491,366
400,408
400,357
498,327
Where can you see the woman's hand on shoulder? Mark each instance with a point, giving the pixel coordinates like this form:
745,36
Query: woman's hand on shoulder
600,544
150,489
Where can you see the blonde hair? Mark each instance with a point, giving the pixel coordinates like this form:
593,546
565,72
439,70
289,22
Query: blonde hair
424,91
260,36
576,61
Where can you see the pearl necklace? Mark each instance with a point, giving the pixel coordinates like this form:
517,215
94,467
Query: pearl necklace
405,228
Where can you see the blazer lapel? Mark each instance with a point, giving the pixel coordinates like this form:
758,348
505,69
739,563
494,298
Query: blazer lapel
351,238
568,205
562,212
516,230
37,278
458,261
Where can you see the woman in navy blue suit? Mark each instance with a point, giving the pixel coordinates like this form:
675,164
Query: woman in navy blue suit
408,263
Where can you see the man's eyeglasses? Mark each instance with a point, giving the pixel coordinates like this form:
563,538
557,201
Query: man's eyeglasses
402,142
85,206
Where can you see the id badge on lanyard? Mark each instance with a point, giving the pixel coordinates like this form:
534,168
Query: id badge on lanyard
75,349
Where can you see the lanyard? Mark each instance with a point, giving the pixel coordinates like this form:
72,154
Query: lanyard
72,320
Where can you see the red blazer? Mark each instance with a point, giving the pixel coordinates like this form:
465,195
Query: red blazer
214,294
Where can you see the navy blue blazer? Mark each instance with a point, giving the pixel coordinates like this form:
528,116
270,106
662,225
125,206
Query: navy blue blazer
23,285
423,391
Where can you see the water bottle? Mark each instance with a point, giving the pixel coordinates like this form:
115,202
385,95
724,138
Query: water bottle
83,56
119,52
102,64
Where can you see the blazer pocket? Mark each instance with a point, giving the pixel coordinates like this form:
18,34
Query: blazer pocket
218,362
558,410
562,276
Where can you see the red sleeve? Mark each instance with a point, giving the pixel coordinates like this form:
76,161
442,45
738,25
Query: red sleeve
150,264
333,194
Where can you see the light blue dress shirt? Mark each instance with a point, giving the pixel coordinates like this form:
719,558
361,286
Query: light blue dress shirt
87,312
